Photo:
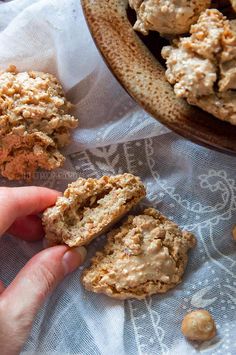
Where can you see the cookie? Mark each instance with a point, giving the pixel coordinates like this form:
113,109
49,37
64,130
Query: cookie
167,17
23,154
202,67
89,207
34,123
146,255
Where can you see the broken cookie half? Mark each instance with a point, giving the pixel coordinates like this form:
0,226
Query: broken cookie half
146,255
89,207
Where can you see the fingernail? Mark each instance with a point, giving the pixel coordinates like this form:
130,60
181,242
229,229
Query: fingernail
82,252
73,258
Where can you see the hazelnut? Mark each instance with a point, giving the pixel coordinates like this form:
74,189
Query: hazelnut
198,325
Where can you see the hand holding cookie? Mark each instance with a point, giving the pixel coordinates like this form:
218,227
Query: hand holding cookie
21,300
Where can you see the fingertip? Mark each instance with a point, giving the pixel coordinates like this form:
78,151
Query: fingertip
34,199
27,228
82,251
73,258
18,202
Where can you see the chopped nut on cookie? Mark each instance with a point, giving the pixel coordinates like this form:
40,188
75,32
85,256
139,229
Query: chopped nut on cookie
146,255
34,123
199,325
89,207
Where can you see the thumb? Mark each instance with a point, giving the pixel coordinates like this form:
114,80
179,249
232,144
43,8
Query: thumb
20,302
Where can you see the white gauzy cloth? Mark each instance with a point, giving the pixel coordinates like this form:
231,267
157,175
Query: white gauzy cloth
191,185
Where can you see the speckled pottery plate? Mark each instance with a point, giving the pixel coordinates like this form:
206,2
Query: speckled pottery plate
136,62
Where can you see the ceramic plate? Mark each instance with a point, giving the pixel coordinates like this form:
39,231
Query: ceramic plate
136,62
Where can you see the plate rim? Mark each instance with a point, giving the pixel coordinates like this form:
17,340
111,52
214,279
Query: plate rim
95,30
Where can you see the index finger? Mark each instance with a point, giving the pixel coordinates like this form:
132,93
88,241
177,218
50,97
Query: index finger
18,202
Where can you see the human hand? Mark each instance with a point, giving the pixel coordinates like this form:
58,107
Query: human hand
21,300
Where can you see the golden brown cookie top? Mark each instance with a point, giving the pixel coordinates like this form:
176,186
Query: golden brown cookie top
146,255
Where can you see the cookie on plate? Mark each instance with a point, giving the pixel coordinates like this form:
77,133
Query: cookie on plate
146,255
202,67
34,123
167,17
89,207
